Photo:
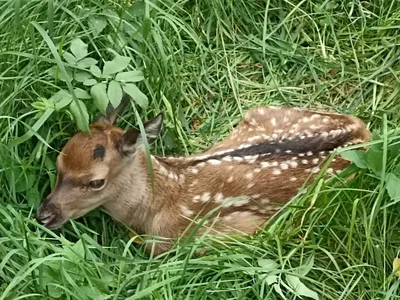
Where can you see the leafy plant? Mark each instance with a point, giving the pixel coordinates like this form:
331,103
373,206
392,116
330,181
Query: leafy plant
373,160
106,85
271,273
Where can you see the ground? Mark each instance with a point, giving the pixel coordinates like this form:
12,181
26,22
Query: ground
205,63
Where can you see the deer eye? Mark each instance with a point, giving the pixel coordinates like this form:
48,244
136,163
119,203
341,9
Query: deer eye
97,184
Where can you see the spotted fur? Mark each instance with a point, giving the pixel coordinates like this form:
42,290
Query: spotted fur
245,178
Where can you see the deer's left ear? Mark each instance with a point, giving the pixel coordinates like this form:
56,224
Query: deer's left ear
132,138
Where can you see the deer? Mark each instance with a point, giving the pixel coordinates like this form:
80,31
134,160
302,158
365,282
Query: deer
266,158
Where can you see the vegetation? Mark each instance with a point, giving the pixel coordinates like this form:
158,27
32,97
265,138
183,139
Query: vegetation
205,63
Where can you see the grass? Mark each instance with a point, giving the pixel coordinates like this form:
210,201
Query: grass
205,63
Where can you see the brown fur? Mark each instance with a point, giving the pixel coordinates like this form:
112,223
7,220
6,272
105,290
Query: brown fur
190,187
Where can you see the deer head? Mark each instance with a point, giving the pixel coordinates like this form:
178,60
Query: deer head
89,164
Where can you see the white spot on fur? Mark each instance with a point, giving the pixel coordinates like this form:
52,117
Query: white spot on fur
309,153
227,158
237,215
230,179
315,116
249,176
163,170
251,158
194,170
257,170
273,122
293,164
274,164
276,172
243,146
304,161
250,185
325,120
315,161
214,162
219,197
305,120
181,178
186,212
196,198
315,170
261,111
205,197
254,138
329,170
284,166
265,201
293,179
238,158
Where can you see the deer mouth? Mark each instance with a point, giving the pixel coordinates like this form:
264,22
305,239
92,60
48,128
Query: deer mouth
51,221
50,217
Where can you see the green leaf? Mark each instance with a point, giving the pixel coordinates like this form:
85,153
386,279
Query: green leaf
132,90
90,82
99,94
268,265
271,279
55,72
94,293
300,288
63,102
95,70
374,160
397,170
25,182
82,94
33,197
306,267
116,65
79,48
86,62
358,157
97,24
137,9
114,93
131,76
393,186
81,121
82,76
278,289
69,58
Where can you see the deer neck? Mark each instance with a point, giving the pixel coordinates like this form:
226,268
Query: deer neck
138,193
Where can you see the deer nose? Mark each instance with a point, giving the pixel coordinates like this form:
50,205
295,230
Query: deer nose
47,213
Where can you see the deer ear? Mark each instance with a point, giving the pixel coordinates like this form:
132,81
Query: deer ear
111,113
153,128
132,138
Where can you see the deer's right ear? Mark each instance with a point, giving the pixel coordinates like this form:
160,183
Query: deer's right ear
112,113
132,138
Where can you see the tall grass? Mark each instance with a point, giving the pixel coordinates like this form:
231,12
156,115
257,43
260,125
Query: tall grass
205,63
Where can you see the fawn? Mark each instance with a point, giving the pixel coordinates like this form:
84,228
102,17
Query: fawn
267,157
